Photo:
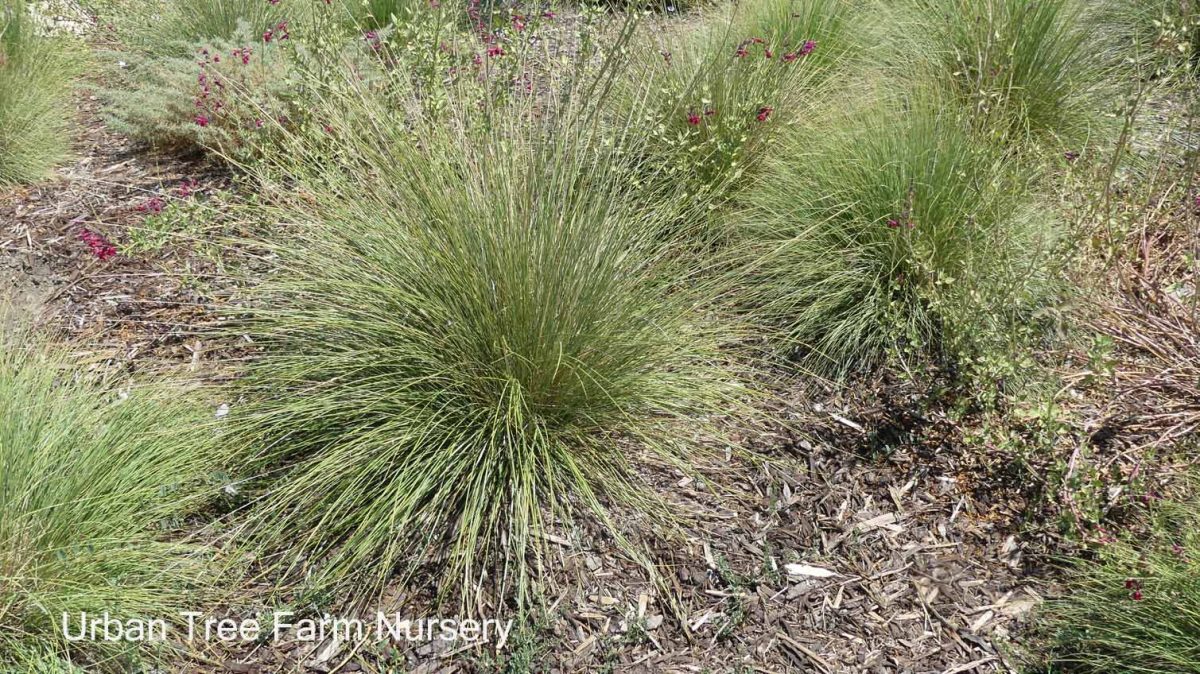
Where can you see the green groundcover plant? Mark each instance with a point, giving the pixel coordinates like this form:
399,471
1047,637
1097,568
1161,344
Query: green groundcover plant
91,484
894,230
470,336
228,96
1135,606
36,72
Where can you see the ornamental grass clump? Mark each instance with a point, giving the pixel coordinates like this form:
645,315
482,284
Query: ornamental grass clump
471,337
92,484
1025,70
36,73
894,231
1133,606
170,28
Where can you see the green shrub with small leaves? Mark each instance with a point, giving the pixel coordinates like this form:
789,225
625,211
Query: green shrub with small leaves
228,96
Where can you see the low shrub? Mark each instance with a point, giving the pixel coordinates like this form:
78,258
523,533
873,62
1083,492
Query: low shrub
228,96
470,336
1135,605
36,75
91,483
1024,69
712,101
894,230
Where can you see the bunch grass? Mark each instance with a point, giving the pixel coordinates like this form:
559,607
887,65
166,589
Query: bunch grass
1135,606
36,75
471,336
895,231
92,485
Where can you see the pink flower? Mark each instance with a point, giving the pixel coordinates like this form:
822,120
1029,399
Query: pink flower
764,112
740,53
187,188
768,53
518,22
152,205
100,246
273,2
201,120
267,34
808,47
789,57
495,50
1136,596
893,224
693,119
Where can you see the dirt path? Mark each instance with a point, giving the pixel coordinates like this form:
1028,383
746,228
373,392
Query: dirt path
121,307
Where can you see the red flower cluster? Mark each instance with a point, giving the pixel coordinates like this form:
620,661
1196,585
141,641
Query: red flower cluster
1136,587
100,246
764,112
152,205
372,39
805,49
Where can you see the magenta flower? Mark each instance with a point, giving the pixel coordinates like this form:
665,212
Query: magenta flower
768,53
267,34
152,205
789,57
100,246
272,2
201,120
740,53
495,50
693,119
808,47
764,112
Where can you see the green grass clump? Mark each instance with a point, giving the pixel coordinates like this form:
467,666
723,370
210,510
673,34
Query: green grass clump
36,74
169,28
1026,70
1135,607
90,484
1160,37
710,102
894,230
469,331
